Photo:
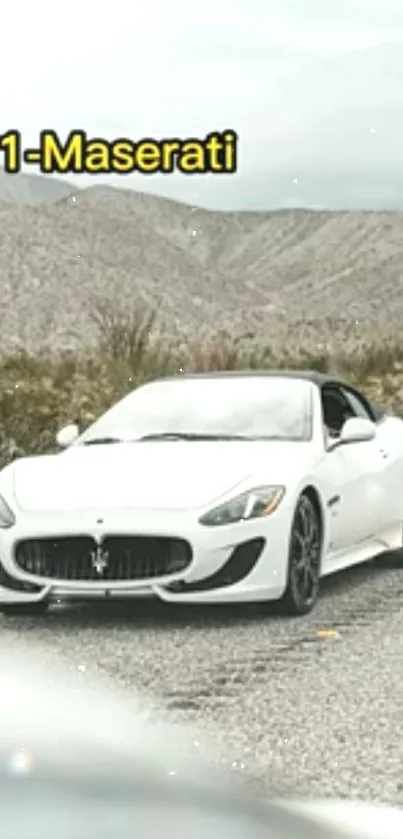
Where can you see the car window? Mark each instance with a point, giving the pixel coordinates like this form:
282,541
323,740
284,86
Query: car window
336,409
357,404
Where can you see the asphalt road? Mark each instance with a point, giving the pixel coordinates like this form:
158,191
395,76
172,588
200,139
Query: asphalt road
290,709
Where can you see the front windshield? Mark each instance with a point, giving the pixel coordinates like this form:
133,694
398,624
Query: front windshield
257,407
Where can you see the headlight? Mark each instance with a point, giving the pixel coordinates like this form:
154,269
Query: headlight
253,504
7,517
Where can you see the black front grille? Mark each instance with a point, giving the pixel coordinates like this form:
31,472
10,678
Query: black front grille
117,558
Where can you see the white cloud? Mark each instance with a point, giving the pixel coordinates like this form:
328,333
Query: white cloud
281,72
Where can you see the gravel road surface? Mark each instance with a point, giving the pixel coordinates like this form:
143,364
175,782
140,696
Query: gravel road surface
288,705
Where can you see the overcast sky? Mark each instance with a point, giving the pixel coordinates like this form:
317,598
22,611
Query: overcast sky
316,84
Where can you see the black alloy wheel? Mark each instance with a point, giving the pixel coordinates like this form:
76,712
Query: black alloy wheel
304,558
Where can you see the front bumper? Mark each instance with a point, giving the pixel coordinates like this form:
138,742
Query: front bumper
237,563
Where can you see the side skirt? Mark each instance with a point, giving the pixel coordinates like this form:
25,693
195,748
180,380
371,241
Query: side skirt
388,540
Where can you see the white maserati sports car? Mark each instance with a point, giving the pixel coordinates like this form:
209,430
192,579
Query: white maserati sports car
210,488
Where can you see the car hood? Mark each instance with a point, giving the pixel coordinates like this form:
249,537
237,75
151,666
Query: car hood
165,475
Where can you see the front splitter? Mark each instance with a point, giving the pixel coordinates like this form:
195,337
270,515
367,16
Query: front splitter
62,593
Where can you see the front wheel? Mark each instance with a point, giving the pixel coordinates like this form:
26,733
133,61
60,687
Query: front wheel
23,609
304,558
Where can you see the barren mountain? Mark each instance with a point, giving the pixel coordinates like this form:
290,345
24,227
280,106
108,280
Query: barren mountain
308,274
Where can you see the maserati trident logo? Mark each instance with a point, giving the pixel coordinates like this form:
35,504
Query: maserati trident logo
99,560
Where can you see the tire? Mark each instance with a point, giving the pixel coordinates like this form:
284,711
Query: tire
23,609
304,558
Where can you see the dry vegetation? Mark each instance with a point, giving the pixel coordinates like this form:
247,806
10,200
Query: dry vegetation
106,289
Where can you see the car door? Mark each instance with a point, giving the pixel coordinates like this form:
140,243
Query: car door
388,466
352,475
390,442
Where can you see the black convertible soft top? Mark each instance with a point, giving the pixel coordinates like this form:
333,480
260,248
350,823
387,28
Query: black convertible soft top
311,375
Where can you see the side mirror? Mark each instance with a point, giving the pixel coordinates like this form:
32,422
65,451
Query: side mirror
67,435
357,430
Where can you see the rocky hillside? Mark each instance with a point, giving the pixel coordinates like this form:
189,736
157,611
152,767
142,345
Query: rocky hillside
295,275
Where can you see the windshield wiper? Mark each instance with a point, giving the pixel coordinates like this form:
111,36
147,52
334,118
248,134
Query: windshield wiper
190,436
102,441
